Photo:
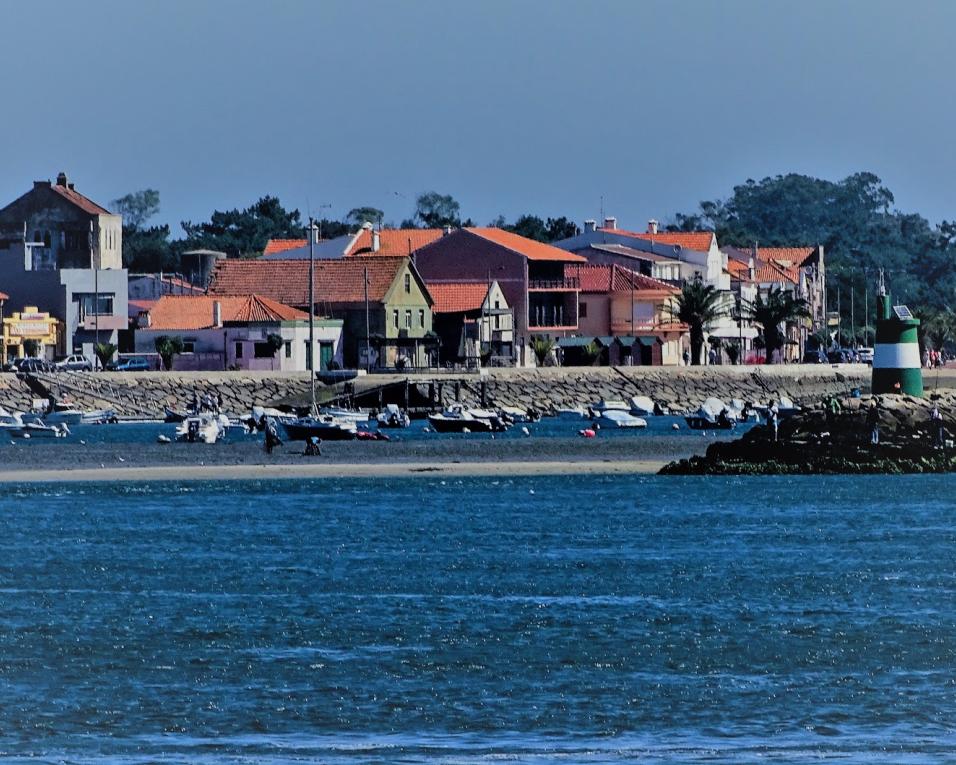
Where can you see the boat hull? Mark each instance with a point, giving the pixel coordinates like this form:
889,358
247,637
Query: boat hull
326,431
459,425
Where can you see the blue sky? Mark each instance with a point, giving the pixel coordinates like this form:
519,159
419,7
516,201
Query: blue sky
512,107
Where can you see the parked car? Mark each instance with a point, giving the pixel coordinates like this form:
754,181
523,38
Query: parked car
864,355
131,365
75,363
33,365
815,357
840,356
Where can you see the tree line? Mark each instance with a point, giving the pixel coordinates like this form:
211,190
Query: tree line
244,233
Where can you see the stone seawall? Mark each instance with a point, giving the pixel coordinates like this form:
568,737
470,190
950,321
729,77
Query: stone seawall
681,388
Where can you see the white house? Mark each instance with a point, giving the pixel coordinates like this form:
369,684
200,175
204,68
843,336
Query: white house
239,332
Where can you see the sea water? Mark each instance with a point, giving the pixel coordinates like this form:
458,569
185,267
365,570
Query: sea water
532,620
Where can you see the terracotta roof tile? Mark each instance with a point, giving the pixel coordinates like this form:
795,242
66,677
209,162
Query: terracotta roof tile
336,281
458,297
281,245
74,196
614,278
394,242
788,256
769,272
185,312
688,240
530,248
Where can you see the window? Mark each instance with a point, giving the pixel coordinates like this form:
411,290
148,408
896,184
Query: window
288,349
263,351
583,311
497,304
238,350
408,283
94,305
497,321
421,317
395,318
189,345
408,319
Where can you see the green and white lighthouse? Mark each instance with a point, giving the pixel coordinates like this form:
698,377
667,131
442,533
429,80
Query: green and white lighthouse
896,360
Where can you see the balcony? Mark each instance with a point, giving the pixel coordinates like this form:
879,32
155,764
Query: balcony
567,284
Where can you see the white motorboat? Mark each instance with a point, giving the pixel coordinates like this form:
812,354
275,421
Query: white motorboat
64,413
13,425
393,417
457,419
324,426
340,413
641,406
713,414
606,405
616,418
204,428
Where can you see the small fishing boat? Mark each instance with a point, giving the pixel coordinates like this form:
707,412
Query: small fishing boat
615,418
64,413
204,428
457,419
393,417
712,415
642,406
13,425
323,426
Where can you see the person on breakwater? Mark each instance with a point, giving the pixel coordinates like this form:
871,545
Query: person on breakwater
873,420
773,418
936,419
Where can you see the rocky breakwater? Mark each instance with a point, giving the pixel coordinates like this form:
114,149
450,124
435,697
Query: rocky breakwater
145,394
16,395
827,438
682,389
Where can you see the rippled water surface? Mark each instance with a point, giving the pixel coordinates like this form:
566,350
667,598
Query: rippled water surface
532,620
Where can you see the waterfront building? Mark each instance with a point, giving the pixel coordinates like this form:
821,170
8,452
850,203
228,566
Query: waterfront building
62,251
383,302
29,326
473,321
628,316
536,279
250,332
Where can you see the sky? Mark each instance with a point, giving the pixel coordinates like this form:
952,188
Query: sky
511,106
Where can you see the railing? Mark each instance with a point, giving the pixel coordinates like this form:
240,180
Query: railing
568,283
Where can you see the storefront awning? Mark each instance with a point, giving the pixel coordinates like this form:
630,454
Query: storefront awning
628,341
574,342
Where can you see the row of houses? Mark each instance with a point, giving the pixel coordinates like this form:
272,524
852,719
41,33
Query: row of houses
392,298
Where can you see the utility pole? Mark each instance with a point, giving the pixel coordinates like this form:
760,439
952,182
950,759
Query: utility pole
96,292
368,341
311,357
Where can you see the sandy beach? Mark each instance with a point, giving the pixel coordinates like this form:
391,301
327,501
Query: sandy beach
247,460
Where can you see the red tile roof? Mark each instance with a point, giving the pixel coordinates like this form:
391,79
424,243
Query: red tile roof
738,269
76,198
394,242
688,240
787,256
458,297
614,278
281,245
770,272
136,307
185,312
336,281
531,249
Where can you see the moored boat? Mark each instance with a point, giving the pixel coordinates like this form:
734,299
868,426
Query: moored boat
393,417
456,419
325,427
204,428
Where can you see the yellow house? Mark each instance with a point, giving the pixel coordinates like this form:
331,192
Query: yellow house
31,324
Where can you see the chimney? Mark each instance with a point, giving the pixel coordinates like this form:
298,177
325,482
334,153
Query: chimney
589,225
652,226
216,313
376,241
61,180
610,223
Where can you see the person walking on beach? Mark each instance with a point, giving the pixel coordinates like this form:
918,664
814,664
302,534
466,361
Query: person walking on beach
272,436
873,420
936,419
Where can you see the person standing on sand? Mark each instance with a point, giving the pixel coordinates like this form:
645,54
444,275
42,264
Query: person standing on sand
873,420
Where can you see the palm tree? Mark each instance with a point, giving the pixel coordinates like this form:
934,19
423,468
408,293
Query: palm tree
541,347
780,307
104,353
698,306
939,327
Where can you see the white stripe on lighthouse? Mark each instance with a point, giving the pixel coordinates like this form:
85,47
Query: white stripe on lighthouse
896,356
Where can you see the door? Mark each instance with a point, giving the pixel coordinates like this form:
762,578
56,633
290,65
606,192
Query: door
326,353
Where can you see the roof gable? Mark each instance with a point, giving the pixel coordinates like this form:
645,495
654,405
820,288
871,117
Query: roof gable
528,248
392,242
281,245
